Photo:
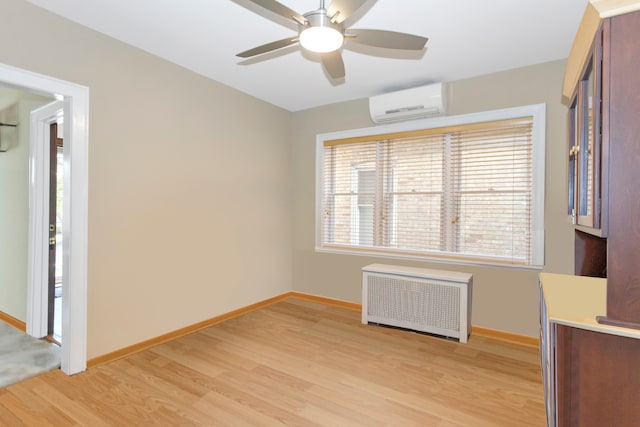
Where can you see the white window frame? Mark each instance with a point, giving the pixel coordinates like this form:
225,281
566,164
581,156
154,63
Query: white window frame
355,230
537,111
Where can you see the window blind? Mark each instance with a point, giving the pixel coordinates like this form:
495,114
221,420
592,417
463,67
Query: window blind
460,191
491,191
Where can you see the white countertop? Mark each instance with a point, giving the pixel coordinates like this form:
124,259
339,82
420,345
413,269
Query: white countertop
577,300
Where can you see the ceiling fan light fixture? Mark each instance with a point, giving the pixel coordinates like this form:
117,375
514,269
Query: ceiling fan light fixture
319,34
321,39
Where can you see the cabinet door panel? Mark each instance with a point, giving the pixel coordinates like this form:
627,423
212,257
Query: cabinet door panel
585,153
588,163
573,137
597,383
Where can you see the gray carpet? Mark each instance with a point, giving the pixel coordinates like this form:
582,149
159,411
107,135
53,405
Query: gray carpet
22,356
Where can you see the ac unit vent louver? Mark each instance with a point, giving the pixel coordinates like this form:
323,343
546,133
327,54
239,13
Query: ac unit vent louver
433,301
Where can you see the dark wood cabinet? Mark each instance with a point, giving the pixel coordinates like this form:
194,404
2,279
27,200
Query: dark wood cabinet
590,331
589,373
604,164
621,134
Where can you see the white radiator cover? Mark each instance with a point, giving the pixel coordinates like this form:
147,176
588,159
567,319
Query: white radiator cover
433,301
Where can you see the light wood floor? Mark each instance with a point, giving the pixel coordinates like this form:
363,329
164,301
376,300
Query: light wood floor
294,363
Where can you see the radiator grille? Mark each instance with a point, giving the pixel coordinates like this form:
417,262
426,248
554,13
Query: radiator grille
428,302
434,301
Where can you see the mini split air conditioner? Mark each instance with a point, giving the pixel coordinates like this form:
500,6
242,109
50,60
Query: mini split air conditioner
409,104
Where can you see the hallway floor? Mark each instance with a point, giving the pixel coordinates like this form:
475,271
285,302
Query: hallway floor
22,356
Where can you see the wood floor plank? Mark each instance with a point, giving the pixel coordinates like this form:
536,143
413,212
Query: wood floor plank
368,407
234,411
294,363
74,410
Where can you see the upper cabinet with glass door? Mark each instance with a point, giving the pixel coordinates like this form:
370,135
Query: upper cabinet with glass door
585,145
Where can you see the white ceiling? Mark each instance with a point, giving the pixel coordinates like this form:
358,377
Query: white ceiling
466,38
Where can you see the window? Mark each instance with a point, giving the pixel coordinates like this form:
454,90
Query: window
461,188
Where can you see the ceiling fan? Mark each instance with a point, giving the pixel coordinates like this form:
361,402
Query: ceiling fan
323,31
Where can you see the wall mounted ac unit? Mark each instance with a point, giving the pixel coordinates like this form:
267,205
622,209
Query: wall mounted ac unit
409,104
433,301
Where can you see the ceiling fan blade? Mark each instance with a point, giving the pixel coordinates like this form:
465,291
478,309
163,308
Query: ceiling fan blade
280,9
387,39
344,8
334,64
268,47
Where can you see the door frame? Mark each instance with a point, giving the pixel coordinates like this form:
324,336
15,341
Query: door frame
38,282
75,105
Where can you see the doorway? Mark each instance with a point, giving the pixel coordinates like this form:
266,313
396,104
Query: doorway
74,100
56,203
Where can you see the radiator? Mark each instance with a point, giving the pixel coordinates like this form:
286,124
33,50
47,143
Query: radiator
432,301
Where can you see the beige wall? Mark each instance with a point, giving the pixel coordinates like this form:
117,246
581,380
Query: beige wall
201,198
189,205
504,299
15,107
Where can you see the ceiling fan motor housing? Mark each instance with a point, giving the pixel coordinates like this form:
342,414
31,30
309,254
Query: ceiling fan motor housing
319,18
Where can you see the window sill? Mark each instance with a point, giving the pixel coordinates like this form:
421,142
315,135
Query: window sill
380,253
